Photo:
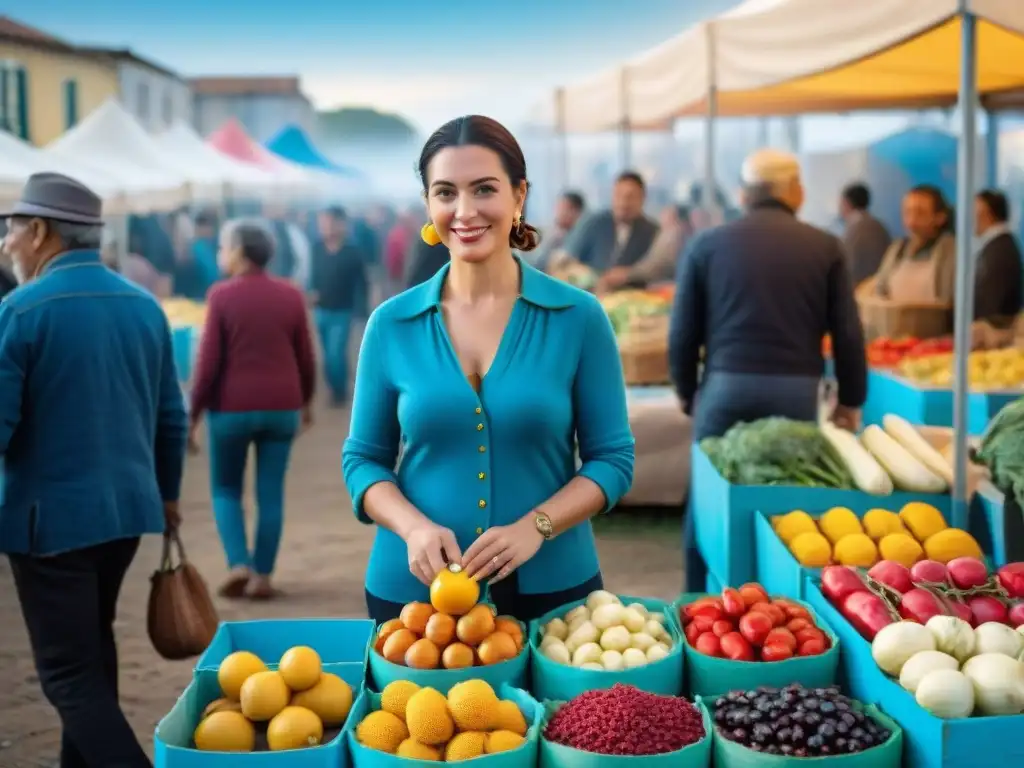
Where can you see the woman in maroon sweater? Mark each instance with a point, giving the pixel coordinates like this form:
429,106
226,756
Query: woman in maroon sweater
255,378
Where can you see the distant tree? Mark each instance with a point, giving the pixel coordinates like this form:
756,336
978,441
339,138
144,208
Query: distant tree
363,125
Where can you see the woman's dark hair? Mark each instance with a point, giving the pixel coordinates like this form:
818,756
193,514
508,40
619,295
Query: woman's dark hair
480,131
254,238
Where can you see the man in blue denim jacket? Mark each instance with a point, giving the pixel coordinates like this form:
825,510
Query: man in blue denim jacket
92,431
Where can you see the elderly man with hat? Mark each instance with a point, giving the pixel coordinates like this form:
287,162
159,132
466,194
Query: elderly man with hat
758,295
93,433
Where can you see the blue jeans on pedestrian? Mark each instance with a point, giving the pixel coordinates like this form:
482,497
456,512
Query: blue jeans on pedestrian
334,326
230,435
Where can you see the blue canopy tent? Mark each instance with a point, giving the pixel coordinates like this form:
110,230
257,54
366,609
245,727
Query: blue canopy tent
292,143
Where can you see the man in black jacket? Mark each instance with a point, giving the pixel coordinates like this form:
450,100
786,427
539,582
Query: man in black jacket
997,280
758,295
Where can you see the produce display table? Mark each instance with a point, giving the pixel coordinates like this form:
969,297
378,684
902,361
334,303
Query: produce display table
919,404
661,473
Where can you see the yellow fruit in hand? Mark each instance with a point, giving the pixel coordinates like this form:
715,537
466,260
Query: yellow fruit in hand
300,668
225,732
263,695
294,728
235,670
453,591
330,699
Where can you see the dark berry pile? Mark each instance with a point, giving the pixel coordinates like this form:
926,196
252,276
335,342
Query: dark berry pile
797,721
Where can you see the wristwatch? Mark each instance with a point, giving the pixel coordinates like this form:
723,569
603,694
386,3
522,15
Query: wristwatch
543,525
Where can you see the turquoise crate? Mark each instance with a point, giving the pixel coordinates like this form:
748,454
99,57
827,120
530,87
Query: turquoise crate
998,531
336,640
724,514
929,742
512,672
932,406
173,737
709,677
523,757
693,756
729,754
558,682
183,345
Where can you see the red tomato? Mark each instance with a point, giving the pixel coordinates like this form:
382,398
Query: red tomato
692,632
774,612
795,625
753,593
722,627
783,636
733,603
715,611
793,610
776,652
812,647
708,644
735,647
703,623
810,633
691,609
755,627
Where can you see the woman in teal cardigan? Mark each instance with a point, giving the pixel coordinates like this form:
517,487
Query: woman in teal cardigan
486,377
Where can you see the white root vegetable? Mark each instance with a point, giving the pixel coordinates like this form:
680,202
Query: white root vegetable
642,640
633,620
946,693
557,628
904,433
655,630
639,608
575,613
657,652
608,615
601,597
920,664
633,657
588,653
896,643
585,633
557,652
616,639
998,684
993,637
907,472
612,661
868,475
953,636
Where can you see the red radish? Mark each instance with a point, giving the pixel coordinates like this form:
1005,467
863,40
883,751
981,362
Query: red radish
961,610
892,574
867,612
1016,617
929,571
840,581
985,609
1011,578
967,572
920,605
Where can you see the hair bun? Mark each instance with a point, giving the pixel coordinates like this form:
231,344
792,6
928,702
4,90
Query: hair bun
524,237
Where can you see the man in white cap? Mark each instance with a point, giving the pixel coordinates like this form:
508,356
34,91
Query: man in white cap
757,295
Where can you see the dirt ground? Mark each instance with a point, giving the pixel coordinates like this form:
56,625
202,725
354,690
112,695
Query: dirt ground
320,570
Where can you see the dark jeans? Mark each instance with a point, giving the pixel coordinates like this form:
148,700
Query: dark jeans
726,399
69,602
505,596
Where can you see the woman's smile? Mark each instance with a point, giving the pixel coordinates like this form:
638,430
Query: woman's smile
468,235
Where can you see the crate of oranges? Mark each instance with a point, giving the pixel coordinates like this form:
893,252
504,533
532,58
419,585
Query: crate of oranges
453,638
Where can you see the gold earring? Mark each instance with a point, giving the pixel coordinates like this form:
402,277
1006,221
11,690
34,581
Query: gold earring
517,222
428,234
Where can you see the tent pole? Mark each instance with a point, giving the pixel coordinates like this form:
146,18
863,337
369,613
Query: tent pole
625,134
709,198
992,151
964,307
562,137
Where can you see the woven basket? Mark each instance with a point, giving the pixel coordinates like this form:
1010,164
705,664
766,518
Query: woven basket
643,347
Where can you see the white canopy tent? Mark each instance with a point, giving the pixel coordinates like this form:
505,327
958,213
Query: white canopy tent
112,141
20,160
208,169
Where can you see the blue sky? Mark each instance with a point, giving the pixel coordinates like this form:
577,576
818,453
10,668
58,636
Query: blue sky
427,59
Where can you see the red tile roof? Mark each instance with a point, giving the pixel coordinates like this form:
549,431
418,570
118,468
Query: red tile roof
22,33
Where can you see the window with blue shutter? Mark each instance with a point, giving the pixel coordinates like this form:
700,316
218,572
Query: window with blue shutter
21,97
70,104
6,116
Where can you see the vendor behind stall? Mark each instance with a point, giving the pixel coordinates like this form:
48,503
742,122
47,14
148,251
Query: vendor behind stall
920,268
997,279
660,262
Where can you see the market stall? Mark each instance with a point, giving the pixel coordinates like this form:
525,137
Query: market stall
186,319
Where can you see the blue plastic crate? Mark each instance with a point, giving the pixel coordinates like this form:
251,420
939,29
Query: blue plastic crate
558,682
724,514
932,406
183,346
523,757
929,742
336,640
709,676
173,737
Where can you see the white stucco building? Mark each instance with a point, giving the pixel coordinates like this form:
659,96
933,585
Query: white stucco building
263,105
155,95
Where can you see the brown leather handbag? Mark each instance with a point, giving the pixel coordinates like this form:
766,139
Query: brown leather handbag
181,618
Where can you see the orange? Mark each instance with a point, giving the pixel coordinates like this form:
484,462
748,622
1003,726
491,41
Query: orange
457,656
496,648
414,617
440,629
422,654
396,646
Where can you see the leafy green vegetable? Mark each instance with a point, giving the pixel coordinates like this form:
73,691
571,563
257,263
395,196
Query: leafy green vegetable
1002,450
777,451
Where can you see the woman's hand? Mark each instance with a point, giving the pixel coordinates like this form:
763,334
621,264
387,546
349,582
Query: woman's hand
193,438
502,549
431,548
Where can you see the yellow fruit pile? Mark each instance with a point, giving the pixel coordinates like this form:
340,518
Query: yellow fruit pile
297,702
452,631
422,723
994,369
918,532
